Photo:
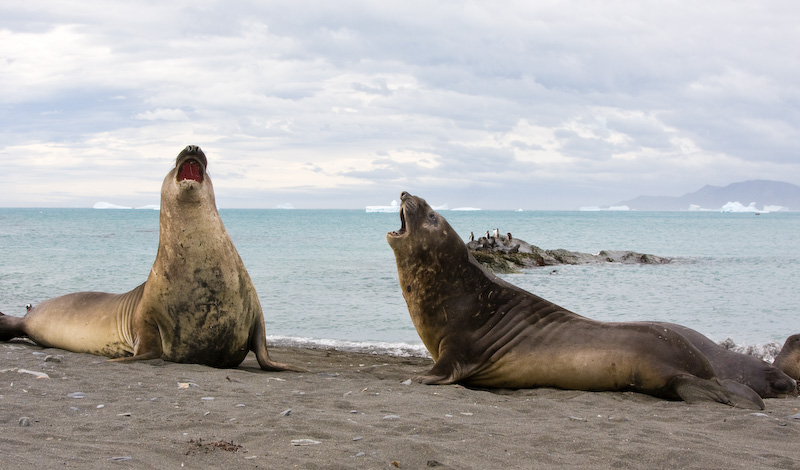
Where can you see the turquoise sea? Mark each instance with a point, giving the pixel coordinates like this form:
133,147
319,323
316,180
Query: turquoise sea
328,277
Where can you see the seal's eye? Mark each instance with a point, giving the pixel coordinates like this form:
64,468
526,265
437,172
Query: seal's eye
432,219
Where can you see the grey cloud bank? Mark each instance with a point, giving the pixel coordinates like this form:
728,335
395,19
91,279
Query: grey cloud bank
495,105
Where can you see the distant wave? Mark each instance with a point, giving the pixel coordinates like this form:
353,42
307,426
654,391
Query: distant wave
367,347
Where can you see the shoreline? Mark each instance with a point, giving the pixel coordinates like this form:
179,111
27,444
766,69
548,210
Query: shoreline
353,410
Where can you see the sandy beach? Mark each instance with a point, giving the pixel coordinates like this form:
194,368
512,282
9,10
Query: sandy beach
65,410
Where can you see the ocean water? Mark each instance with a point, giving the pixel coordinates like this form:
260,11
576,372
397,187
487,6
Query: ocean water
328,277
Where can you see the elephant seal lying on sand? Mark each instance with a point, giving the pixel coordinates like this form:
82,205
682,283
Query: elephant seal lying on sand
198,304
485,332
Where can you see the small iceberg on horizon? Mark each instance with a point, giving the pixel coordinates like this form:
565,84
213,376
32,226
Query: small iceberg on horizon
287,206
737,206
108,205
605,209
393,207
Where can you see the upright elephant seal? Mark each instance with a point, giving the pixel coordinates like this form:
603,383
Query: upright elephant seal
198,305
768,380
788,360
485,332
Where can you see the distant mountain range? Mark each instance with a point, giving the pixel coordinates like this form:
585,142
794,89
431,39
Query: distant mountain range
765,194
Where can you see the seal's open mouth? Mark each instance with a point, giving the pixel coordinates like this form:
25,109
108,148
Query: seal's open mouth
402,231
190,170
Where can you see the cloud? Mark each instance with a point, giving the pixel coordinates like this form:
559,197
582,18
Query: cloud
579,99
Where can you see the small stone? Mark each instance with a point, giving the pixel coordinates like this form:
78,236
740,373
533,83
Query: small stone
286,412
395,463
77,395
207,398
391,417
123,414
759,414
406,382
797,416
52,358
358,438
240,405
24,421
121,458
304,442
100,406
434,463
361,454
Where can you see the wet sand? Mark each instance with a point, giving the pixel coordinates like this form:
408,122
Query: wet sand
354,411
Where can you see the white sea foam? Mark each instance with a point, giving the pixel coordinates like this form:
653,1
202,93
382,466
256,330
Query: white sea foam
370,347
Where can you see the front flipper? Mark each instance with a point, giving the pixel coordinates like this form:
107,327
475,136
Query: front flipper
146,344
694,390
141,357
447,370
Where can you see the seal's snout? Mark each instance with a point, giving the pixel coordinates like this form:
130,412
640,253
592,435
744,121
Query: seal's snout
191,163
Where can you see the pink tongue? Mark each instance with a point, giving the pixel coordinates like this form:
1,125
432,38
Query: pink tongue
190,170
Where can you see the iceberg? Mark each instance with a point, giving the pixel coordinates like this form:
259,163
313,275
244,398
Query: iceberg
739,207
108,205
393,207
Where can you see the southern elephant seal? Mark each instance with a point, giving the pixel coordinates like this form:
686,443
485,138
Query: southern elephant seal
198,304
483,331
788,360
768,380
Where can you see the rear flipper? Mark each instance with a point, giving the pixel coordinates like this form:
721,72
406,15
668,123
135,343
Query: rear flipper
694,390
11,327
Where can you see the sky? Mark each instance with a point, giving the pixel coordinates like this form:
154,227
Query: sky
495,105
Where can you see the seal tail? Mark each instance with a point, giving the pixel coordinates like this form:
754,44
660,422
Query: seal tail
694,390
11,327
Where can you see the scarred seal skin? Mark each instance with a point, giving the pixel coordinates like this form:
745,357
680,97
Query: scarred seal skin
198,304
482,331
788,360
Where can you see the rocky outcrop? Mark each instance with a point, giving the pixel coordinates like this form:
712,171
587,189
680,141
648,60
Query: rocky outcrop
505,254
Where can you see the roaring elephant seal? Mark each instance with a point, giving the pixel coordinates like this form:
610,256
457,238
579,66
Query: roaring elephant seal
198,305
768,380
485,332
788,360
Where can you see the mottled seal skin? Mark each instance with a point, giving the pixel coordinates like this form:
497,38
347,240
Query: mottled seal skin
768,380
198,305
788,360
485,332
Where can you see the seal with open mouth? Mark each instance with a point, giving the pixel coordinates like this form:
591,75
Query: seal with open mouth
198,305
482,331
